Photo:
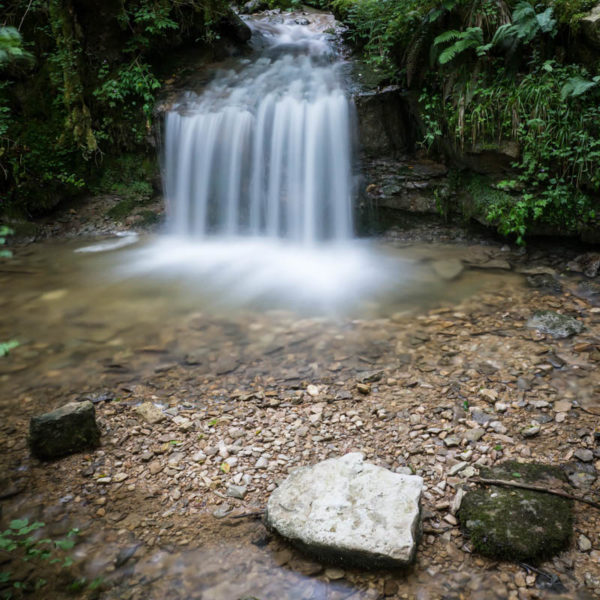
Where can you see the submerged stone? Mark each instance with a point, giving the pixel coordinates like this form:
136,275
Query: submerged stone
555,324
515,524
349,512
68,429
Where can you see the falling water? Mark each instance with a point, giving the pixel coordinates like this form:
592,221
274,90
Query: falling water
265,151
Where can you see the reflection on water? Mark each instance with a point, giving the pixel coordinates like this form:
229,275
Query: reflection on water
111,308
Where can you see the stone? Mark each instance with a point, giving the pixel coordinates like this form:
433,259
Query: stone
555,324
150,413
589,263
474,435
68,429
531,430
448,269
562,405
457,468
514,524
237,491
584,455
350,512
583,543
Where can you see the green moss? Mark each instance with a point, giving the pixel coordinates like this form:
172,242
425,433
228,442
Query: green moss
518,525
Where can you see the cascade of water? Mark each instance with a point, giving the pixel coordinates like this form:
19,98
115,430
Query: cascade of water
266,150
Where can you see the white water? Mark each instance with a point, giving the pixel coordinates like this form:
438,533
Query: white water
259,185
266,150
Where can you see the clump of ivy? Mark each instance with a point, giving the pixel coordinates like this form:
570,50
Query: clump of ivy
22,543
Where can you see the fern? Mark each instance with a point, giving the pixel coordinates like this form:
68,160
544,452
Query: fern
526,25
577,86
470,39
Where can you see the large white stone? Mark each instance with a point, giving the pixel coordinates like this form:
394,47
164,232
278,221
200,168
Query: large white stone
348,511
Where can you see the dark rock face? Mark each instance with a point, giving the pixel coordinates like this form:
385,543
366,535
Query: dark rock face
514,524
235,28
384,123
68,429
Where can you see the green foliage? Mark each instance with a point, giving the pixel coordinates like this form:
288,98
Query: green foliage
21,545
498,76
461,41
577,86
92,92
526,24
11,49
4,232
6,347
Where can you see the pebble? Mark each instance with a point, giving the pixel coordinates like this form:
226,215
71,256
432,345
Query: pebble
530,431
583,543
451,441
334,574
584,455
474,435
119,477
363,388
562,406
237,491
457,468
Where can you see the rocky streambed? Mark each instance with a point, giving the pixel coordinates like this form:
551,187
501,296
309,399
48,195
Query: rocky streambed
204,411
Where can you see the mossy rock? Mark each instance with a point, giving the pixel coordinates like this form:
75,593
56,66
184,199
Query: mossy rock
518,525
555,324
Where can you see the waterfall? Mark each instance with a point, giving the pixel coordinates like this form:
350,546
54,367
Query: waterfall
266,149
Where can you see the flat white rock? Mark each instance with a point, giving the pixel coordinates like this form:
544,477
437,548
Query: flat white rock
348,511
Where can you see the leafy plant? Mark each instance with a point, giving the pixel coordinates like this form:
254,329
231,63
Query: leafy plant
526,25
11,48
22,546
6,347
461,41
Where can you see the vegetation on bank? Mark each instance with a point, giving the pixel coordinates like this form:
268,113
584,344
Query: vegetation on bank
80,79
491,73
78,86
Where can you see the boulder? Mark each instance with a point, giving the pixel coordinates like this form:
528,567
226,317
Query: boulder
68,429
590,26
235,28
555,324
513,524
346,511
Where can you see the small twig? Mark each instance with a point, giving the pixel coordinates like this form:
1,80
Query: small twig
535,488
587,410
252,513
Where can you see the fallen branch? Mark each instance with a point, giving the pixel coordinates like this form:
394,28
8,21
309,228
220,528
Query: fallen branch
534,488
587,410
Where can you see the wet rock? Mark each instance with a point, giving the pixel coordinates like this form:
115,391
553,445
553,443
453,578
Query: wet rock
514,524
68,429
588,264
448,269
150,413
555,324
348,511
235,28
544,282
